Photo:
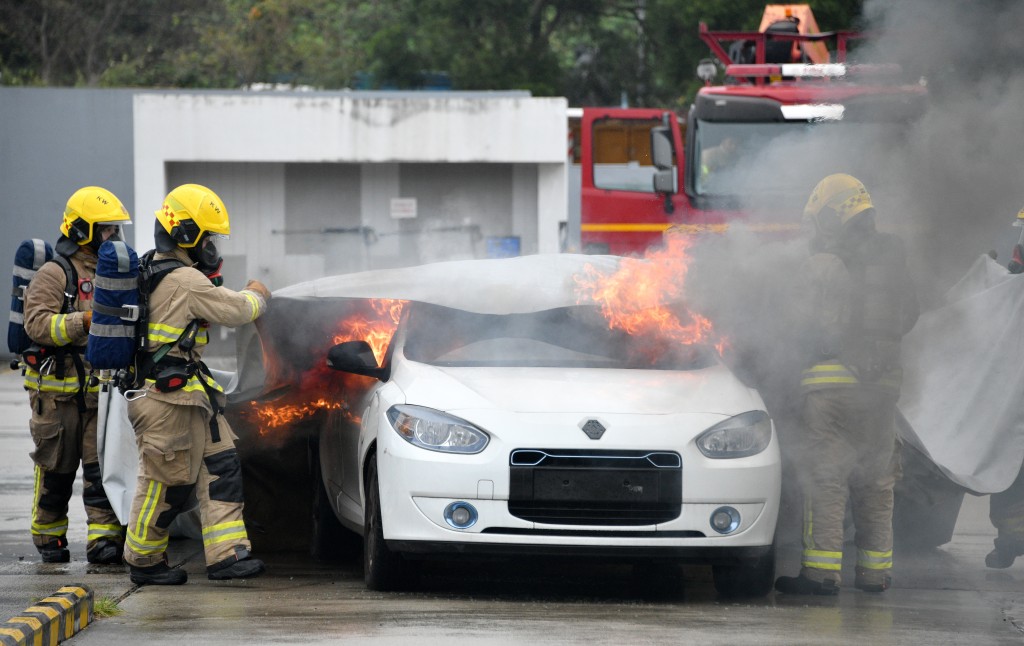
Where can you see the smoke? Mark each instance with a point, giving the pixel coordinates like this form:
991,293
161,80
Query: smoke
961,168
948,182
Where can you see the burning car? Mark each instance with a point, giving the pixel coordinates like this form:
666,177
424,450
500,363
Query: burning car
537,405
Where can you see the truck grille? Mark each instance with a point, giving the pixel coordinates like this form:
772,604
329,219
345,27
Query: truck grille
597,488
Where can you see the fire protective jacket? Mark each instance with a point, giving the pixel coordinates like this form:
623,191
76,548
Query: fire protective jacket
861,302
184,295
48,325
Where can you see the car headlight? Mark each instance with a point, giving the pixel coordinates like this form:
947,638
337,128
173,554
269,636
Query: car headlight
431,429
737,437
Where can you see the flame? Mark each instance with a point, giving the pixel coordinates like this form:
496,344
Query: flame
322,389
377,331
642,297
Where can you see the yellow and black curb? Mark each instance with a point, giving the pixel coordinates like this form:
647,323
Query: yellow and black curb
51,620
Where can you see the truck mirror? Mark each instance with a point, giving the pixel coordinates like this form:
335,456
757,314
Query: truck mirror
661,147
665,181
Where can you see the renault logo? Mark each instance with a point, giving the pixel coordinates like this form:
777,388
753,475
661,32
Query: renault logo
593,428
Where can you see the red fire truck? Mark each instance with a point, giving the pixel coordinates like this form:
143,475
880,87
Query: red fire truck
748,152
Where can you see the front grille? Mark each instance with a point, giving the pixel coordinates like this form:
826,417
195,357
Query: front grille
597,488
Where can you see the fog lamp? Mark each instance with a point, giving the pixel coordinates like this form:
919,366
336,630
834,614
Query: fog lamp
725,520
460,515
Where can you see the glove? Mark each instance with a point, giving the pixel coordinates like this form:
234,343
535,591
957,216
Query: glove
259,288
87,320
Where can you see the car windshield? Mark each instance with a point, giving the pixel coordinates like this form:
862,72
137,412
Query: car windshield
568,337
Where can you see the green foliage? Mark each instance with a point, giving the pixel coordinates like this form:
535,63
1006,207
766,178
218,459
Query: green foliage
595,52
106,607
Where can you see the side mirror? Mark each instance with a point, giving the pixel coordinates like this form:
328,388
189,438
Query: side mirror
661,147
665,181
356,357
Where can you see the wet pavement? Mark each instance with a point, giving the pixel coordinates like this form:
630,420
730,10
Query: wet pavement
942,596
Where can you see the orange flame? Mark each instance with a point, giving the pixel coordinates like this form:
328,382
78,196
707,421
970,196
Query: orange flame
321,389
643,297
377,331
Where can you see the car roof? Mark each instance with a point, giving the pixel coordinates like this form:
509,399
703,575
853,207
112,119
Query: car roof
487,286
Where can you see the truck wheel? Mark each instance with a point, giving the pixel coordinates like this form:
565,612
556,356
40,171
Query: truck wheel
751,579
383,569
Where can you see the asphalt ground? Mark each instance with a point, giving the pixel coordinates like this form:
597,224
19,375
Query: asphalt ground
943,596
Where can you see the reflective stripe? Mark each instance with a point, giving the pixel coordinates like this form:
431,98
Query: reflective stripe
145,547
231,531
112,331
24,273
123,257
254,304
50,383
38,252
622,226
161,333
137,538
828,373
103,531
874,560
17,317
116,284
59,528
808,523
822,560
193,384
59,329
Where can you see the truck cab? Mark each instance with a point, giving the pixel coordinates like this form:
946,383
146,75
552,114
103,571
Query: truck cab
749,150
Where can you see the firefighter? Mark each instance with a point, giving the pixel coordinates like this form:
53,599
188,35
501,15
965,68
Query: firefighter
185,443
58,312
859,302
1006,509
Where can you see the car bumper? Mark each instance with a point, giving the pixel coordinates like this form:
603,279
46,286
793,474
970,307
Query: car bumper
418,485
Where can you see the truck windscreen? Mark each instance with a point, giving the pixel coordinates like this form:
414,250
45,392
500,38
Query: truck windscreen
742,160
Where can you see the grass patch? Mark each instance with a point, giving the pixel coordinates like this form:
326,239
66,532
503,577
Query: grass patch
106,607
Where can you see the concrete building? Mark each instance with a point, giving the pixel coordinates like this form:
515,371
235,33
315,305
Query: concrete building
317,183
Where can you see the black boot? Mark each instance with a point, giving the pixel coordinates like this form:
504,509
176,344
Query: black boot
245,568
861,583
56,551
803,585
1000,558
105,552
159,574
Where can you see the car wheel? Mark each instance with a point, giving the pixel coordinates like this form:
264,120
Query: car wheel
328,540
751,579
383,569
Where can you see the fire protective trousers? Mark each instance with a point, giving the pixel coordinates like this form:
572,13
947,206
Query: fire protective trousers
177,454
849,453
1006,511
63,438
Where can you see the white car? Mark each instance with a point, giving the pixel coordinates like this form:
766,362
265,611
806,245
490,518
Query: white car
525,425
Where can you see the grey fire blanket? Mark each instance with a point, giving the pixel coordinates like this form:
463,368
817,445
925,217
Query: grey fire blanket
963,389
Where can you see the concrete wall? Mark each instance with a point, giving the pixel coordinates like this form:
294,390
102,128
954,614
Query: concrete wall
309,180
296,171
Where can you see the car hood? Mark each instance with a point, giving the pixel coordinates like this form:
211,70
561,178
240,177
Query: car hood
563,390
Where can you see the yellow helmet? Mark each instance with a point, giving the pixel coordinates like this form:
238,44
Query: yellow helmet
191,212
843,195
88,207
1020,220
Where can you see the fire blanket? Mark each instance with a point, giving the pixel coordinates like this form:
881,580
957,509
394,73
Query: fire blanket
964,379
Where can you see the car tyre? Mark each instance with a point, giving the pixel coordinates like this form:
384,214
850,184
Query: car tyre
329,540
752,579
383,570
